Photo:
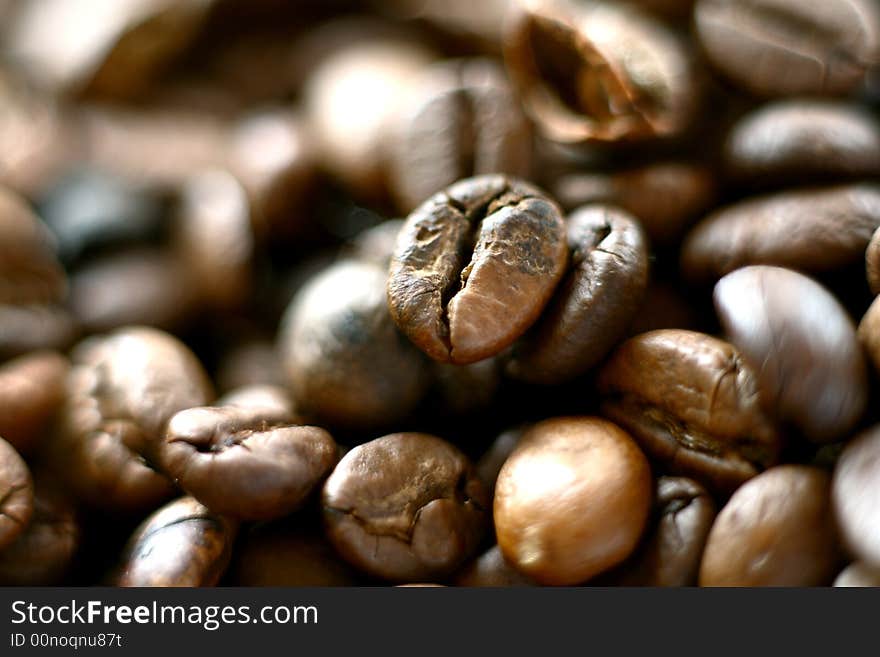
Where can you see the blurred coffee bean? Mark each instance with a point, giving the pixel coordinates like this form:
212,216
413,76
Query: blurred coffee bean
812,230
462,389
691,401
491,569
856,495
572,500
43,552
376,244
489,464
798,141
272,154
16,494
250,362
29,269
459,119
181,544
139,286
248,463
280,555
670,555
350,99
595,301
108,48
32,389
869,334
776,530
872,262
30,327
599,72
90,210
407,507
789,47
810,368
274,399
347,365
665,197
215,238
474,267
858,573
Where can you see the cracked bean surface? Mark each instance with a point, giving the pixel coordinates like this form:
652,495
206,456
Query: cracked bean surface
407,507
16,494
474,266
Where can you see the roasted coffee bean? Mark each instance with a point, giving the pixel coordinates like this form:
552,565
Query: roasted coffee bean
491,569
29,270
599,72
776,530
181,544
248,463
671,553
809,230
869,334
459,119
872,262
665,197
858,573
810,368
271,555
43,552
345,360
407,507
789,47
595,302
32,389
798,141
474,267
572,500
16,494
856,495
35,326
691,401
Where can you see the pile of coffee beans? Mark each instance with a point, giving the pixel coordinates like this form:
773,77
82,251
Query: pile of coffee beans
440,292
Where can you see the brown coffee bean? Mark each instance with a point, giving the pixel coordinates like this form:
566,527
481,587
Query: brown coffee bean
872,262
858,573
595,302
665,197
474,266
671,553
491,569
248,463
810,367
346,362
811,230
16,494
598,72
572,500
32,389
459,119
788,47
869,334
691,401
802,140
34,326
856,495
181,544
776,530
407,507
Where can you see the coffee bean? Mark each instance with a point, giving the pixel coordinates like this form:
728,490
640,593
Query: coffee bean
869,334
788,47
407,507
872,262
858,573
813,230
474,266
776,530
459,119
248,463
856,495
799,141
491,569
181,544
572,500
25,328
32,389
16,494
810,367
599,72
595,302
712,428
347,364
